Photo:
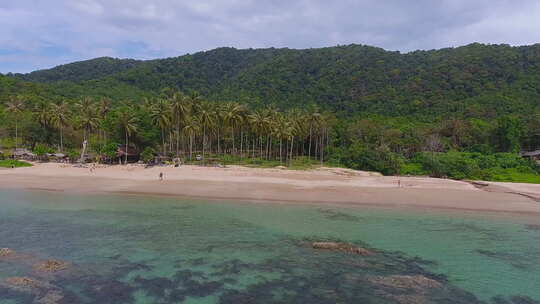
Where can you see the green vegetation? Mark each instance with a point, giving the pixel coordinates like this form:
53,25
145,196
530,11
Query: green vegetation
465,165
463,113
9,163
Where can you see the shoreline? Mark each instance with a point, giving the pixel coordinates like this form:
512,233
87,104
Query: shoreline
324,186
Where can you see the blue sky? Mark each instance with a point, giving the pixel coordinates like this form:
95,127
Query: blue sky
37,34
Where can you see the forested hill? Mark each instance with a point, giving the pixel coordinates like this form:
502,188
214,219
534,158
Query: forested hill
82,70
482,80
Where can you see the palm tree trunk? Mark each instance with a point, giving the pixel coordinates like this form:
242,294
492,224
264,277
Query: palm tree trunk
163,142
218,144
286,151
310,133
126,158
16,134
280,150
177,138
260,147
241,141
322,148
61,139
253,149
232,136
267,146
317,147
292,145
190,147
204,144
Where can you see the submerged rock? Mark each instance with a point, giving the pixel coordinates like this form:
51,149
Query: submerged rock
5,252
51,266
533,227
26,284
406,289
418,283
344,247
44,292
51,297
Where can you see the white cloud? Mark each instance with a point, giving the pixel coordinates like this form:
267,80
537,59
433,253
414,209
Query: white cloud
145,29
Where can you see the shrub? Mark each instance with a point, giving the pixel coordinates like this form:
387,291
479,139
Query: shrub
9,163
473,165
40,150
148,154
381,159
412,168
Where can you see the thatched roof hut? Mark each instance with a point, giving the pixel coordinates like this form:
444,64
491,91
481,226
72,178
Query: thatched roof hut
532,155
23,153
133,153
56,155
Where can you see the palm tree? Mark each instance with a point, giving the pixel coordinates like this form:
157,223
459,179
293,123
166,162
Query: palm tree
293,125
179,109
103,108
16,107
242,122
280,129
219,124
191,127
269,117
60,119
314,120
232,117
85,104
43,114
128,122
160,115
206,114
88,116
258,121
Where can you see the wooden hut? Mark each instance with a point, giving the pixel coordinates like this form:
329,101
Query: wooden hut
534,155
133,154
24,154
58,157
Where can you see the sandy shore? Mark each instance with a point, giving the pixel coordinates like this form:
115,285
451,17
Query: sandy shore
325,185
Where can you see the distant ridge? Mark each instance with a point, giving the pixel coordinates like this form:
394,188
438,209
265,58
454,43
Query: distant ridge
486,79
81,70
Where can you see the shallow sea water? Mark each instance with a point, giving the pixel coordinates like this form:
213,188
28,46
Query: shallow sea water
138,249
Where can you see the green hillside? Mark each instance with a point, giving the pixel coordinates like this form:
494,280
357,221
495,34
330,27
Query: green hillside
459,112
82,70
490,78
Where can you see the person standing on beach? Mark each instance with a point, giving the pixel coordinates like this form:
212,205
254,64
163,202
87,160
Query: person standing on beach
160,176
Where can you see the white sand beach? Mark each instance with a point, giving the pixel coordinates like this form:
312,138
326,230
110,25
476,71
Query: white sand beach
324,185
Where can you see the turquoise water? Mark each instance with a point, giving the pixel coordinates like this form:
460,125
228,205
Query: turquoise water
136,249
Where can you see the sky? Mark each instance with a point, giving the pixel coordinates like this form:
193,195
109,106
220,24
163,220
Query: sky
38,34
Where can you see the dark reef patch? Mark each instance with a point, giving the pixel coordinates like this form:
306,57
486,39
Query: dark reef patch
335,215
514,300
533,227
513,259
303,277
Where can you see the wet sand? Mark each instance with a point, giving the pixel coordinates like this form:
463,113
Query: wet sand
324,185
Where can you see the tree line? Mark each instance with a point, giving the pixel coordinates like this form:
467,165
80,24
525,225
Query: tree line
174,125
182,125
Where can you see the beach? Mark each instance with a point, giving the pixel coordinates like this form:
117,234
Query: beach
318,186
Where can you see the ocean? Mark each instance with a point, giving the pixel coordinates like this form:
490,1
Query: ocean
144,249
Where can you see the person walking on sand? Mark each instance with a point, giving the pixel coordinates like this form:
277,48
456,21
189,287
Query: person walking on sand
160,176
399,183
